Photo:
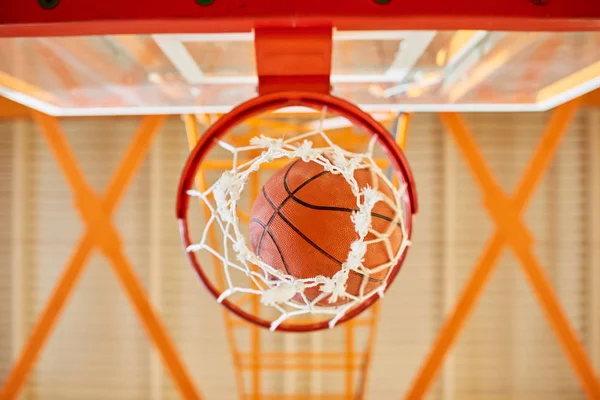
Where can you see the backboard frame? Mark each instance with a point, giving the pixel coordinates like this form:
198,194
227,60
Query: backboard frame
30,18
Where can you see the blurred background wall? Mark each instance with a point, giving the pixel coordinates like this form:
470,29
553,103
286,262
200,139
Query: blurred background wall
99,351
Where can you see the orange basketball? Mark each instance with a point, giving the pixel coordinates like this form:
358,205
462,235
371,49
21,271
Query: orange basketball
301,224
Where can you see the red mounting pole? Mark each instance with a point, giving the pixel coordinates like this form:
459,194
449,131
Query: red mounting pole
293,58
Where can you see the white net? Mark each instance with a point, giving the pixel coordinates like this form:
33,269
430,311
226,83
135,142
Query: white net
276,288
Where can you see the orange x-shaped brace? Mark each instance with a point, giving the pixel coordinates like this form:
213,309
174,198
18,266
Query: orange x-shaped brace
507,217
506,213
96,213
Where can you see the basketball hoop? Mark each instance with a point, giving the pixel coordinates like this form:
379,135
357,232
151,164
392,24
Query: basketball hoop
291,297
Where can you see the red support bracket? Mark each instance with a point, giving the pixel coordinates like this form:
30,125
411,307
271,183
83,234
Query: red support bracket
293,58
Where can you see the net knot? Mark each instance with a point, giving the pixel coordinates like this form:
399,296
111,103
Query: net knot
346,165
229,184
371,197
362,217
274,147
356,255
336,285
281,293
337,157
266,142
305,151
241,249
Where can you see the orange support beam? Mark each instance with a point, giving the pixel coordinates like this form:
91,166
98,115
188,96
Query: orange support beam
402,126
101,234
512,232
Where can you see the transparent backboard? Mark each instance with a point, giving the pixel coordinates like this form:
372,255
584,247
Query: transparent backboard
378,70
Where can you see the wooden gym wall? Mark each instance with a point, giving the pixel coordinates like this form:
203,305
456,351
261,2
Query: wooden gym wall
100,351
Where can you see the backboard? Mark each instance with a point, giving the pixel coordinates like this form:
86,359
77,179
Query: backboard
160,60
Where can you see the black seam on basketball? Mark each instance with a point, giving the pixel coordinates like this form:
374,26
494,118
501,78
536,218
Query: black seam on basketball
266,229
370,279
259,247
262,236
302,235
313,244
291,194
276,209
325,208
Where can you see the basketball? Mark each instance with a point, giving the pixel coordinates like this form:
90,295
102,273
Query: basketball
301,224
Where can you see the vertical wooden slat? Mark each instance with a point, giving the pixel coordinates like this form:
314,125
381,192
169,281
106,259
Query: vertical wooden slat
18,210
255,334
593,130
450,248
155,279
349,372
